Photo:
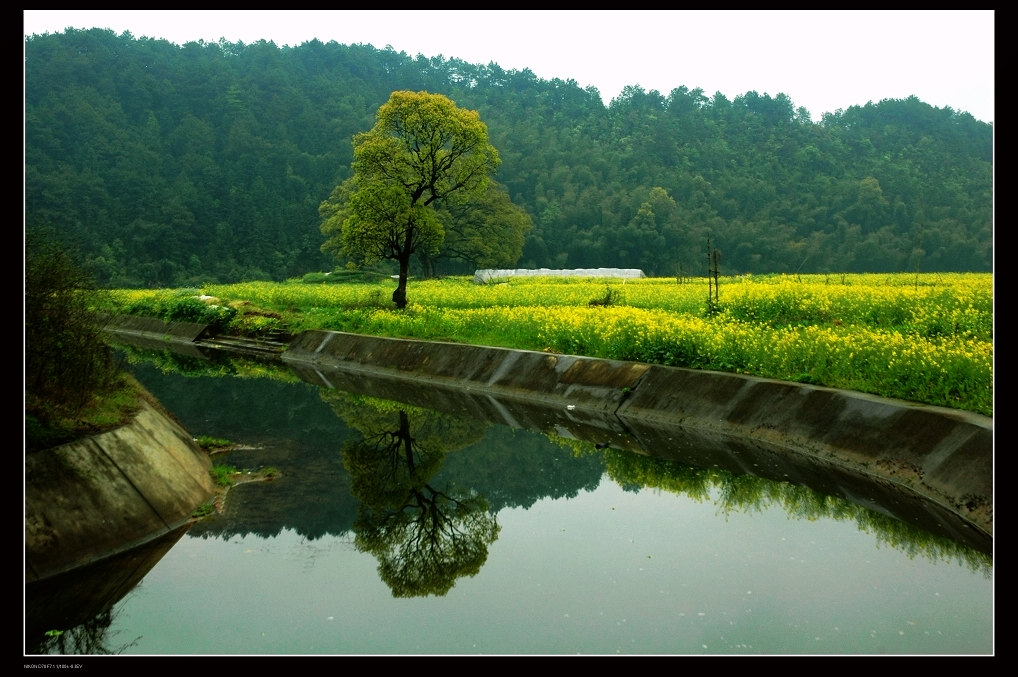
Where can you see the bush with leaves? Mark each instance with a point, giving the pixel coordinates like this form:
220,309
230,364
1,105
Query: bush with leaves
67,362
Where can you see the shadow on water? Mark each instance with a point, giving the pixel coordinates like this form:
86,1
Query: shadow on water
427,515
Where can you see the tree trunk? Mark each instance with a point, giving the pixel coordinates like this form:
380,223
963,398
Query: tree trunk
399,296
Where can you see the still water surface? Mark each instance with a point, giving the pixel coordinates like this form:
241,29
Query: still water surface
496,540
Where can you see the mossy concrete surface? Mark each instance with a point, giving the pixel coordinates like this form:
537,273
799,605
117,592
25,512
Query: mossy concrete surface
106,494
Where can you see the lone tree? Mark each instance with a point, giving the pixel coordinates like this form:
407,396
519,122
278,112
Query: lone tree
423,153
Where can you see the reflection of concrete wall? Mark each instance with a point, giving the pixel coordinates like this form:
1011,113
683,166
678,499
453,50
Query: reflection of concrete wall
78,596
943,454
102,495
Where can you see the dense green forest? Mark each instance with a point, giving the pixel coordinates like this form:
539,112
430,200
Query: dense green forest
171,165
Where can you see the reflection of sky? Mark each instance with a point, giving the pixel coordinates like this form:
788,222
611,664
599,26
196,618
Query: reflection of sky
606,572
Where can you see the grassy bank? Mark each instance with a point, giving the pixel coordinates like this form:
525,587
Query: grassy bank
925,338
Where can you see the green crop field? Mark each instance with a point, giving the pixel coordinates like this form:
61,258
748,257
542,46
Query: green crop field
924,338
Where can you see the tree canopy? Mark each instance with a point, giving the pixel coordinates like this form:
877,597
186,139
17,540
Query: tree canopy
423,152
488,231
173,165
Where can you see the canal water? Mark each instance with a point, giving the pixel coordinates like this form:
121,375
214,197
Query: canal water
392,529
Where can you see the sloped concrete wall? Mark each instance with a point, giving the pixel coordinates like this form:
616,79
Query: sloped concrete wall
536,376
106,494
183,332
943,454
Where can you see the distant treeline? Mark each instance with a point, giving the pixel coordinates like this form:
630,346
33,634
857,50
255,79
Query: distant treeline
168,165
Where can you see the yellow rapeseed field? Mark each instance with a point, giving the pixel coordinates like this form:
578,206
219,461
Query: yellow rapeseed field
925,338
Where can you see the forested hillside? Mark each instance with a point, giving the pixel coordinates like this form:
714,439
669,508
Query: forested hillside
169,165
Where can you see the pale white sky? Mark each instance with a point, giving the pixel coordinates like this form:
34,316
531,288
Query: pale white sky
822,60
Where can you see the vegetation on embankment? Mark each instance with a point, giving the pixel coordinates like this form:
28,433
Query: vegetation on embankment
919,337
73,387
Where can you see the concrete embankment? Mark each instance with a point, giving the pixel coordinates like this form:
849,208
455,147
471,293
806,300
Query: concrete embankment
843,443
110,493
146,332
942,454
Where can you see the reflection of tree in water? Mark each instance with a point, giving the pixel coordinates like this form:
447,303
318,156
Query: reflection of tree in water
424,537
